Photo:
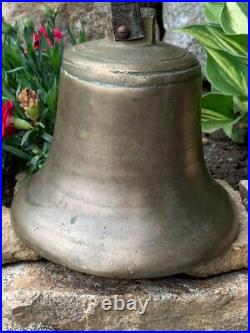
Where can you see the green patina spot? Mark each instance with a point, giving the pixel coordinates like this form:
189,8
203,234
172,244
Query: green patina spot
73,219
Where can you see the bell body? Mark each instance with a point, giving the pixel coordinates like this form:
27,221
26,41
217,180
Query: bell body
125,191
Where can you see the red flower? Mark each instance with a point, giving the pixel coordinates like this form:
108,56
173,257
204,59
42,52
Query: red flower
7,125
36,40
58,35
43,31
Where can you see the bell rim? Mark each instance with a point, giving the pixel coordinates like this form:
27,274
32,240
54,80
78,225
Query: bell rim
120,270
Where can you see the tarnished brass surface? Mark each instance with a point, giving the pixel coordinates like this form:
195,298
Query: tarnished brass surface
125,191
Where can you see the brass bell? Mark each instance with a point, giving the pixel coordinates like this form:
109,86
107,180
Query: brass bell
125,191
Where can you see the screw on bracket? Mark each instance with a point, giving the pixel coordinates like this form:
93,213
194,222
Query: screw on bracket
126,20
122,32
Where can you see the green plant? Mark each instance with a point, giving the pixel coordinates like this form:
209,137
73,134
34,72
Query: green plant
31,62
225,40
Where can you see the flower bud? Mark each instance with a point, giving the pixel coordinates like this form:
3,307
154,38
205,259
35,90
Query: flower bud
58,35
21,124
30,103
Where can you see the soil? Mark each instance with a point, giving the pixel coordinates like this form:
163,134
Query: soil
8,179
225,160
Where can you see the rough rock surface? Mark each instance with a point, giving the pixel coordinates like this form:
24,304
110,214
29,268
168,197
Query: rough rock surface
236,257
13,249
42,295
177,15
243,187
89,16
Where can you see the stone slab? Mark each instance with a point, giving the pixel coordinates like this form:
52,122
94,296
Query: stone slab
243,187
13,249
43,295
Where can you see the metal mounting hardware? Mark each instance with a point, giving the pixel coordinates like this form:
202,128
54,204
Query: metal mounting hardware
126,21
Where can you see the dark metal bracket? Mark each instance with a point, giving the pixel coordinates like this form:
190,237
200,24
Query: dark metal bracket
126,20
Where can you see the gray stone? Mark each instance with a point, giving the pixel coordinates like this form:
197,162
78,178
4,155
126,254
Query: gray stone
90,16
243,187
177,15
43,295
236,257
13,249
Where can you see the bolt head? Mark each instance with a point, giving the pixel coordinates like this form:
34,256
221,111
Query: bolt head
122,32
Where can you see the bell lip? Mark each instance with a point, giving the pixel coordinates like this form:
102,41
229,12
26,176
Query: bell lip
129,65
144,273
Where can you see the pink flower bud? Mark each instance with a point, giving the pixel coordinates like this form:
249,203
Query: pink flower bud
58,35
8,128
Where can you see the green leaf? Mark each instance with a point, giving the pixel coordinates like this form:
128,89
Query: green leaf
239,131
8,29
6,94
228,74
26,137
241,103
212,11
15,151
52,96
27,33
217,112
236,45
14,70
22,124
40,124
234,17
14,58
47,137
46,146
219,103
73,40
82,37
215,38
33,112
56,59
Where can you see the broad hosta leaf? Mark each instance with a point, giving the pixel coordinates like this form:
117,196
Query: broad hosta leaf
225,40
234,17
212,11
228,74
217,112
236,45
214,37
219,103
239,129
241,103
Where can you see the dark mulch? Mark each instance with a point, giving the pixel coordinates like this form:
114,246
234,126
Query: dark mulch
225,159
8,180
